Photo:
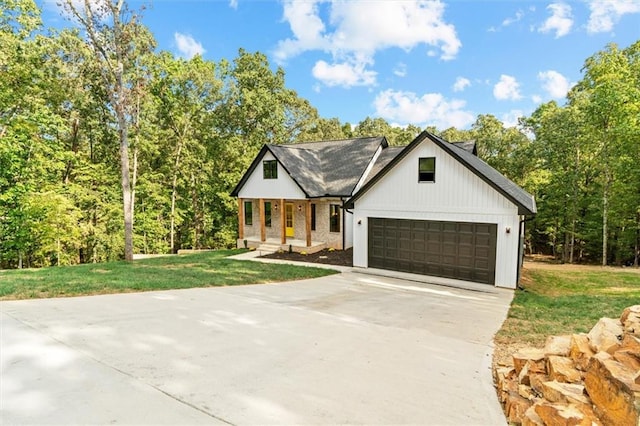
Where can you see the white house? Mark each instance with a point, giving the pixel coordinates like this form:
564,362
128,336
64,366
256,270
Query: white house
431,207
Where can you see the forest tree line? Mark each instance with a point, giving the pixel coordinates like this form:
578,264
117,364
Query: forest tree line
88,125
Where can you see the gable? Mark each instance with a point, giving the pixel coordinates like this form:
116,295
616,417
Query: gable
318,169
524,202
256,186
456,188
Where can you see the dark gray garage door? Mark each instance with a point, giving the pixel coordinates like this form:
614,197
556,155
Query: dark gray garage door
464,251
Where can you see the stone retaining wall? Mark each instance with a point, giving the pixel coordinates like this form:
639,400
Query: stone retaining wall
580,379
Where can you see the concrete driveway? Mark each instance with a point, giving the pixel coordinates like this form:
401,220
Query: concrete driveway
345,349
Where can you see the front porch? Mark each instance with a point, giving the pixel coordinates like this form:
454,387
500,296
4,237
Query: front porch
276,224
275,244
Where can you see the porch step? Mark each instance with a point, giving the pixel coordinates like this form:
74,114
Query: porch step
268,248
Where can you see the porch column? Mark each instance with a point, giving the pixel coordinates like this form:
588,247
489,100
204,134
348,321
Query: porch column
307,222
241,218
263,229
283,223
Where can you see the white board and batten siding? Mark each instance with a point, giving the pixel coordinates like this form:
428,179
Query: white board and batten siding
457,195
282,187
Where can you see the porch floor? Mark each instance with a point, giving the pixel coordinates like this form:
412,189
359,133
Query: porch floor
273,244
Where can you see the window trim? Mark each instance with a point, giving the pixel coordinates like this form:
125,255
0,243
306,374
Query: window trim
428,176
331,218
248,213
270,169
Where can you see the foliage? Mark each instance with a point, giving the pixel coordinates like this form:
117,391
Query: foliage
208,269
94,119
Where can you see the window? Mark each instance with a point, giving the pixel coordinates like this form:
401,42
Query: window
270,169
313,217
248,213
267,214
334,218
427,169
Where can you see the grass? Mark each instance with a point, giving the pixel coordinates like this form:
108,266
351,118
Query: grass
558,301
206,269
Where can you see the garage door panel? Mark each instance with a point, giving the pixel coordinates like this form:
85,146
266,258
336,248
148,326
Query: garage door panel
458,250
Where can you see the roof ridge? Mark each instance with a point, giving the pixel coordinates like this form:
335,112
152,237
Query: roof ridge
298,144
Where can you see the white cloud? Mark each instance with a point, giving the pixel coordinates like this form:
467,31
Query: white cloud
187,45
429,109
343,74
359,27
554,83
233,4
400,70
510,119
536,99
98,8
512,20
560,20
353,31
460,84
605,13
507,88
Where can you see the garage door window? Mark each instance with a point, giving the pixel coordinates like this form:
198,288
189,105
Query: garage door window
427,169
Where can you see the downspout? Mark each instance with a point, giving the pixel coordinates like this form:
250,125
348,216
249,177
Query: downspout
520,259
344,223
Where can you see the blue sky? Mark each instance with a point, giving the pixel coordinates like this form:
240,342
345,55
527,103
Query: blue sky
435,63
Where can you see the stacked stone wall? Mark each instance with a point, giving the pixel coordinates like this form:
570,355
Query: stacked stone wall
579,379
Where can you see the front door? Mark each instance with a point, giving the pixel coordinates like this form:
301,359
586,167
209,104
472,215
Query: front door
288,213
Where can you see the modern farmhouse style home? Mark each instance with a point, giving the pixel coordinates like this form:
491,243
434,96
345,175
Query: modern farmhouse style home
431,207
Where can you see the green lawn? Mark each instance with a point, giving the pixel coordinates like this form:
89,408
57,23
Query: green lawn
204,269
565,300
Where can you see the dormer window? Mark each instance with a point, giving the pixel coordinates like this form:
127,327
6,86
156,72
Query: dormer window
270,169
427,169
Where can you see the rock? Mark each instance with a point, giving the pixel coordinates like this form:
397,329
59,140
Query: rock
565,393
506,388
613,390
531,418
515,407
580,351
526,392
523,377
628,358
563,415
536,381
631,343
561,369
606,335
558,345
630,320
535,357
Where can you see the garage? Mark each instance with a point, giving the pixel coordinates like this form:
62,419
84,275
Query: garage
460,250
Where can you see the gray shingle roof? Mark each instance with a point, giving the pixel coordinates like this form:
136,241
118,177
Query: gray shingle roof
469,146
329,168
524,201
383,159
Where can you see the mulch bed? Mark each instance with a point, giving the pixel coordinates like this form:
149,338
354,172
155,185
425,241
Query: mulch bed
336,257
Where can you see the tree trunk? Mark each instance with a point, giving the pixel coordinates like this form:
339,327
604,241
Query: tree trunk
126,190
636,258
174,191
573,240
605,219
